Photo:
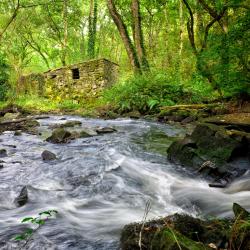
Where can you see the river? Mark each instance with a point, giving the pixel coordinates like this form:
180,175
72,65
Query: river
100,183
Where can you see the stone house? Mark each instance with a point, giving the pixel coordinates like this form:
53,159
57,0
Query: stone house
77,81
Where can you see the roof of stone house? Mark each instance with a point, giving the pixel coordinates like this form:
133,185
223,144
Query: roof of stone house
77,64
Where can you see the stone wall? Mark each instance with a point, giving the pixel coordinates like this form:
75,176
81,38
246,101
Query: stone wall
78,81
31,84
81,81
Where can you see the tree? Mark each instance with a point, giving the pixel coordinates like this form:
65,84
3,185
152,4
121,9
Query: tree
135,51
92,28
138,35
202,65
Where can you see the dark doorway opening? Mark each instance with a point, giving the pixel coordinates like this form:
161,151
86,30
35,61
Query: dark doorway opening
75,74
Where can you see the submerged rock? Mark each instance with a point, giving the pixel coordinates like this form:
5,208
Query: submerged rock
60,135
17,133
48,156
105,130
22,198
3,153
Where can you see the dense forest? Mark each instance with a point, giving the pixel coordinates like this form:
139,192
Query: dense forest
168,51
124,124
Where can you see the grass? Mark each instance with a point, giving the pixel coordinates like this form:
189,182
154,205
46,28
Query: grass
37,104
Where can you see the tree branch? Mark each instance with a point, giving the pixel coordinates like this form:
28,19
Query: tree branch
190,27
208,27
13,17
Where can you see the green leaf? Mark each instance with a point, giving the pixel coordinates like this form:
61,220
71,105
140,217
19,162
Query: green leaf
46,213
40,222
20,237
27,219
29,231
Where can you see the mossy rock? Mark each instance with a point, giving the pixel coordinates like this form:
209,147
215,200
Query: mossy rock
60,135
212,143
25,125
169,239
209,137
163,234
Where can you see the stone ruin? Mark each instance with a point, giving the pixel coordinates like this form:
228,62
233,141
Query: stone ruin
77,81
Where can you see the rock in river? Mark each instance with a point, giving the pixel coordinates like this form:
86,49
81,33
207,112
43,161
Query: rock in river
215,144
3,152
60,135
22,198
48,156
68,124
105,130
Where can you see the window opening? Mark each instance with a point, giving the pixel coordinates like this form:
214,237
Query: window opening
75,74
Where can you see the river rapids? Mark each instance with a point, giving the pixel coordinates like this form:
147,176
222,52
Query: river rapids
99,184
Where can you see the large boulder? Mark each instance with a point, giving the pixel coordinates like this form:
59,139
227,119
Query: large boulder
178,231
60,135
181,231
215,145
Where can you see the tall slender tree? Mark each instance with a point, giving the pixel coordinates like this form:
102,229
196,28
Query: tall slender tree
92,28
135,50
138,35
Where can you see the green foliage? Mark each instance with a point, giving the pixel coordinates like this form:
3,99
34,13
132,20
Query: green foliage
4,77
144,93
147,93
37,221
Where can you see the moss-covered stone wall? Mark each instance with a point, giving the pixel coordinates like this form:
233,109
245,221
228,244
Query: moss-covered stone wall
78,81
31,84
81,81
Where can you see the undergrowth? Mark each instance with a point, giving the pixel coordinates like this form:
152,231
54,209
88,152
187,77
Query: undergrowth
147,93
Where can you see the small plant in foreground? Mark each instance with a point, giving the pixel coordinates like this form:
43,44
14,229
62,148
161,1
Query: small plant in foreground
37,221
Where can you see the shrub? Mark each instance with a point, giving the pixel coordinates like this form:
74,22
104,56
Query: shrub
144,93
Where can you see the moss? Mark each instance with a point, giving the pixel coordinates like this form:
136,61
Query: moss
169,239
240,234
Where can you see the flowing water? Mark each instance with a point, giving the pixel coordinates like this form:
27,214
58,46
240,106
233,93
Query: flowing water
100,183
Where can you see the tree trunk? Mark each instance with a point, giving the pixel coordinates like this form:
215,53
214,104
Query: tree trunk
65,38
181,38
130,49
138,35
92,29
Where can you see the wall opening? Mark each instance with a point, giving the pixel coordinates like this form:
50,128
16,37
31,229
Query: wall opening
53,76
75,74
